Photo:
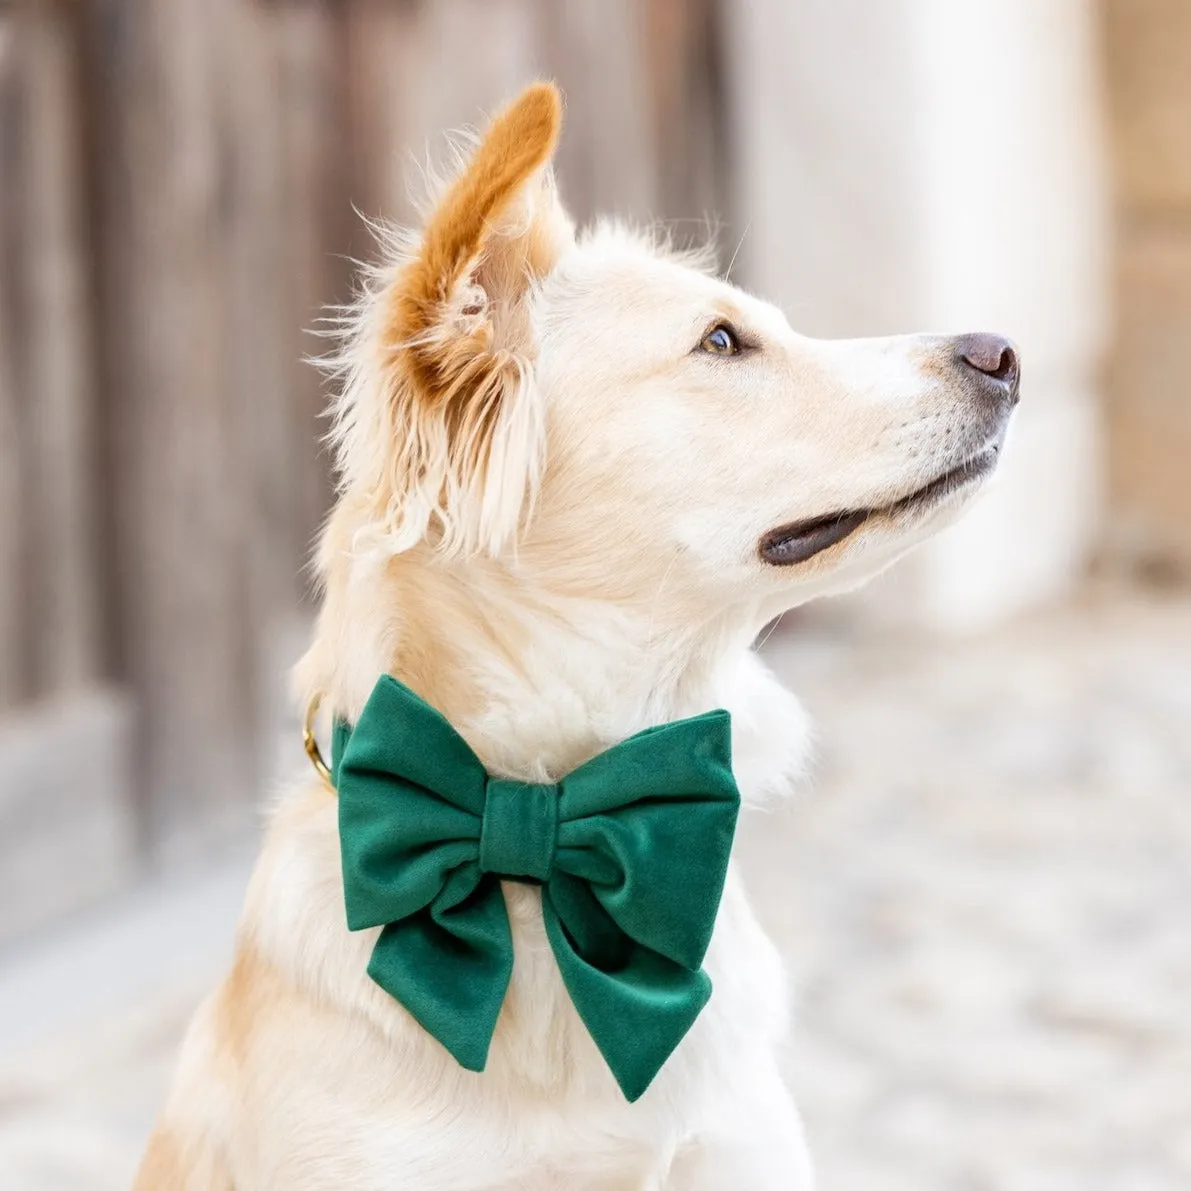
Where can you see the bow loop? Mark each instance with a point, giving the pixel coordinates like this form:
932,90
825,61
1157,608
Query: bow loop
631,850
520,830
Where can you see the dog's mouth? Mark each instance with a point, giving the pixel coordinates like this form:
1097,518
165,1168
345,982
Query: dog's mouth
800,541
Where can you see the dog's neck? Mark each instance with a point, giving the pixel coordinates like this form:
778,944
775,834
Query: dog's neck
535,678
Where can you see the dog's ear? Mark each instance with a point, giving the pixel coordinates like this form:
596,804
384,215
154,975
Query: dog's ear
445,386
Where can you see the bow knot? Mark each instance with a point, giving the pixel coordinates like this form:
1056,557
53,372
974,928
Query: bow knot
519,830
631,850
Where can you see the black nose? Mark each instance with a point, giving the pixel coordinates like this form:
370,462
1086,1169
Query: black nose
994,358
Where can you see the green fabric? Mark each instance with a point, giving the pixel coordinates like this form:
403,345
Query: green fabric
631,851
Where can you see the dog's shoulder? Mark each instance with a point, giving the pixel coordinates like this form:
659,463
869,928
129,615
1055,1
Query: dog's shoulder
293,917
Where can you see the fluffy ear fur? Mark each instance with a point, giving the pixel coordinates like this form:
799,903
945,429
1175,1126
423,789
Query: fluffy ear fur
439,428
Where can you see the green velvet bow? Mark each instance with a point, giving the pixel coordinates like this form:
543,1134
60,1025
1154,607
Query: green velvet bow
631,851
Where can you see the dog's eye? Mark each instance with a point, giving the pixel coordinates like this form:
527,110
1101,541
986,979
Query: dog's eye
720,341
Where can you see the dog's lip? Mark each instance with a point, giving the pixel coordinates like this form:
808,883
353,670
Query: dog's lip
800,541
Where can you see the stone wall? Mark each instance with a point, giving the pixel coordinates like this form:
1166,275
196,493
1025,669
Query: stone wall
1147,54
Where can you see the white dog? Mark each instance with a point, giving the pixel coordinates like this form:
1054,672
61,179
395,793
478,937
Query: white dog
578,474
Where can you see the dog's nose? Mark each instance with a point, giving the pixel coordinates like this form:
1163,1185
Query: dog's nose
995,360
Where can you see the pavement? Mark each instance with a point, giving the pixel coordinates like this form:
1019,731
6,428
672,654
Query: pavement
984,897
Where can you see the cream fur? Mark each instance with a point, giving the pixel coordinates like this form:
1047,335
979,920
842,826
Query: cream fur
573,562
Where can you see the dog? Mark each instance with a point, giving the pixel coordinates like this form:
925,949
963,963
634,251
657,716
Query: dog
578,474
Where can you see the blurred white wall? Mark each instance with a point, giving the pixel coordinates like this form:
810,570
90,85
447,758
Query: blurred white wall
915,165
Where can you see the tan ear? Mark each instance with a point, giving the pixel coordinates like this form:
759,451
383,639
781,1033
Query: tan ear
520,141
451,350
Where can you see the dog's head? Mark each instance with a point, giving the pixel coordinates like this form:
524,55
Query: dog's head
598,415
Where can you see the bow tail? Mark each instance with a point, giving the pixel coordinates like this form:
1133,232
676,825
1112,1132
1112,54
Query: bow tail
637,1004
450,964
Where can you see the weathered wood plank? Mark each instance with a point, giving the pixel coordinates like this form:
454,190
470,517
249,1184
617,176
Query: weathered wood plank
59,395
608,158
49,601
219,205
12,602
403,98
259,336
318,220
176,421
284,148
684,66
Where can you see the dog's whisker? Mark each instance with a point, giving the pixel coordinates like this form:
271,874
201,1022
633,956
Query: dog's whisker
772,629
739,246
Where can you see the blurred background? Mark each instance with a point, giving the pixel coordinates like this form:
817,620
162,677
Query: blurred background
985,894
